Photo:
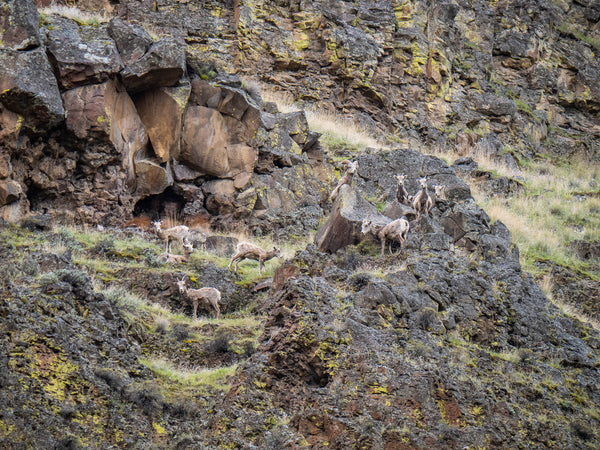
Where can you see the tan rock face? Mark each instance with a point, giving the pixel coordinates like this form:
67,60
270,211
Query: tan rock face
207,146
10,191
152,178
161,111
105,112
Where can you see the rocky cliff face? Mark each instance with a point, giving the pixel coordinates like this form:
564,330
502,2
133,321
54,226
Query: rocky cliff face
447,343
96,120
501,77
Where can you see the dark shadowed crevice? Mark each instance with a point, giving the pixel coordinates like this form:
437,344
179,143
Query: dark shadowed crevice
159,206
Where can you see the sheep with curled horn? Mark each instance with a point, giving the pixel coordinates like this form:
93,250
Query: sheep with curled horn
346,179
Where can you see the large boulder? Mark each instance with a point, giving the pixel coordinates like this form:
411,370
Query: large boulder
132,40
81,54
162,65
28,87
19,25
343,225
10,191
105,113
151,178
207,145
161,111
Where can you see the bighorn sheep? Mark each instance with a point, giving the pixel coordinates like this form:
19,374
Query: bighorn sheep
440,193
422,201
346,179
188,249
210,294
396,230
246,250
178,233
401,193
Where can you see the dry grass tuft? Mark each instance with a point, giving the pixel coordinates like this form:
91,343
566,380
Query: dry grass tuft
74,13
337,131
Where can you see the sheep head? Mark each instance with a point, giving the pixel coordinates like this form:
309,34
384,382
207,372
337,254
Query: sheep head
366,225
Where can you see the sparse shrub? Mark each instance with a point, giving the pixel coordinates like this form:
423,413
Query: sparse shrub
248,348
180,332
76,278
220,343
359,280
368,247
29,266
110,377
350,259
104,246
48,278
151,259
162,325
525,355
426,318
149,401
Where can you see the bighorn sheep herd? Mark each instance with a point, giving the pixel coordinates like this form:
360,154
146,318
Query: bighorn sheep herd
183,234
395,231
422,203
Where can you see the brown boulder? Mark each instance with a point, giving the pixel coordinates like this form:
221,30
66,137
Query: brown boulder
161,111
151,178
10,191
105,112
343,225
19,25
10,124
206,144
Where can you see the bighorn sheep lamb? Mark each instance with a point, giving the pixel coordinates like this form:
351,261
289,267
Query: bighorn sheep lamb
346,179
178,233
210,294
396,230
401,193
422,201
188,249
246,250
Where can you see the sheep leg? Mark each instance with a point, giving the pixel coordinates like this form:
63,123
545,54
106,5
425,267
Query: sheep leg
217,309
382,246
195,309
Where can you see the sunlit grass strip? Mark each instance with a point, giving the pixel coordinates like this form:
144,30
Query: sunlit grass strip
215,378
337,131
133,302
74,13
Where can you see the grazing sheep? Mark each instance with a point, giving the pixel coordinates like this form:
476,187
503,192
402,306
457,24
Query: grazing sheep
178,233
210,294
401,193
346,179
396,230
246,250
422,201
